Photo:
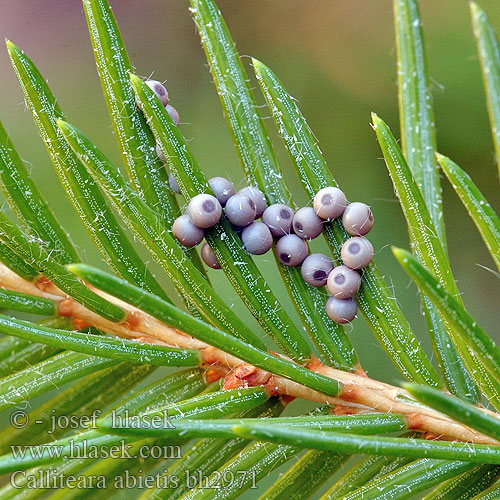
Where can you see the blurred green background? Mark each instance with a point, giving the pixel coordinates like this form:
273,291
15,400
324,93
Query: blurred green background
336,58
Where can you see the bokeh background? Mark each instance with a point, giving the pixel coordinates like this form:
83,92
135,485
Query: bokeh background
336,58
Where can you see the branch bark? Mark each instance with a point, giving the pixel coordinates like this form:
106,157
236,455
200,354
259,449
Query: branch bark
360,393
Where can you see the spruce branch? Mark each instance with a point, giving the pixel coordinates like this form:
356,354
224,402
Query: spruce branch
359,392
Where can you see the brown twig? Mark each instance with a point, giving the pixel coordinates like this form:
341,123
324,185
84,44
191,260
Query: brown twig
359,392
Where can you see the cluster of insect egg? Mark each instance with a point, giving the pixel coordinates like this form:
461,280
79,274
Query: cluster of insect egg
279,221
241,209
356,253
161,92
292,230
